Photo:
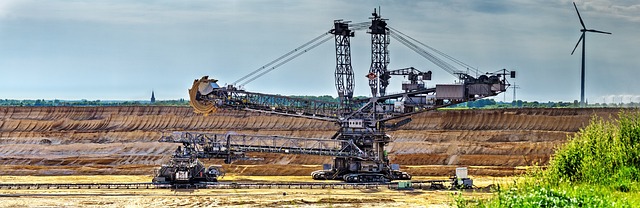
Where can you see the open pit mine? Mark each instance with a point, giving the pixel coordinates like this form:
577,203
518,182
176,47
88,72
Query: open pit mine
124,140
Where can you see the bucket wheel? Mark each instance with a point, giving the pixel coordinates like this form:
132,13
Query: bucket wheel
198,100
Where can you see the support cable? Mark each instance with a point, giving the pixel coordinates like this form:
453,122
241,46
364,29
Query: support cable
282,57
475,70
293,54
288,59
437,61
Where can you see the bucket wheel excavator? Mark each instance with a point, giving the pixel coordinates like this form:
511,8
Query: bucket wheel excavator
200,88
359,144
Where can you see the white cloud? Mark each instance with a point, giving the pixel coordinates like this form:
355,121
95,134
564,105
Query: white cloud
168,12
122,12
190,38
6,6
623,9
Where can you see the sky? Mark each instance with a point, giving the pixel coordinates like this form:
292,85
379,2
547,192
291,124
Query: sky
123,50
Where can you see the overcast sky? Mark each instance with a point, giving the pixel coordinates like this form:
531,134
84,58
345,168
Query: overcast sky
122,50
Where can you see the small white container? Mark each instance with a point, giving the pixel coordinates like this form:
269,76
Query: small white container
461,173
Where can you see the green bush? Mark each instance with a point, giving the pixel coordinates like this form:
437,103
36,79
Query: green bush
603,153
598,167
540,196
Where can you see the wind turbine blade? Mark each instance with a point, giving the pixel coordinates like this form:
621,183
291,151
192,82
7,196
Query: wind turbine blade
579,40
598,31
581,22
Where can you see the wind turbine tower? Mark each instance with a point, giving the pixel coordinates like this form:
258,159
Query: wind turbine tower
582,39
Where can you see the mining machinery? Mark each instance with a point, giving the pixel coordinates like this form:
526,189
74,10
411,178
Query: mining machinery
358,147
184,167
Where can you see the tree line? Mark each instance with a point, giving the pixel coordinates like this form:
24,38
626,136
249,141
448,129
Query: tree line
84,102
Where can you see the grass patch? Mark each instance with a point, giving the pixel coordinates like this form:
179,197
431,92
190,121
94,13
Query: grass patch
598,167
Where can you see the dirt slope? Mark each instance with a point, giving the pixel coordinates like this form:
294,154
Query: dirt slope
122,140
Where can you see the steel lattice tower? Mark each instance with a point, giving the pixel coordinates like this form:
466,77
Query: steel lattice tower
344,71
378,79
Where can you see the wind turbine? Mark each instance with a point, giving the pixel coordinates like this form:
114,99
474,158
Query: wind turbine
584,30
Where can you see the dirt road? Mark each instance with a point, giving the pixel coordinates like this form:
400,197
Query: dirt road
228,198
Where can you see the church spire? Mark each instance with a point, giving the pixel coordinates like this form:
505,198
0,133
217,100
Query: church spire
153,97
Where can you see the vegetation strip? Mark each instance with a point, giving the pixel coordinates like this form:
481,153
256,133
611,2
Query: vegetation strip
598,167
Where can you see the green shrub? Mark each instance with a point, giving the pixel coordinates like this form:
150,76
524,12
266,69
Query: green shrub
604,153
598,167
539,196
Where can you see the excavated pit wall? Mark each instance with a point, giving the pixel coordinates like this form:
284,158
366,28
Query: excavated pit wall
123,140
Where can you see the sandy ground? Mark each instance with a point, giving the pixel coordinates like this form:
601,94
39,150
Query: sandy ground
228,198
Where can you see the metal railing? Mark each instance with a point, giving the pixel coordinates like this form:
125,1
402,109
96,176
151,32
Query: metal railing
222,144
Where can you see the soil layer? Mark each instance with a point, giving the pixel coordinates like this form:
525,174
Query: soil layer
123,140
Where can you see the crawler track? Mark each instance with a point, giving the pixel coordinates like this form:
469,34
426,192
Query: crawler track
436,184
